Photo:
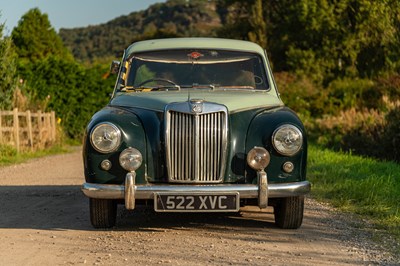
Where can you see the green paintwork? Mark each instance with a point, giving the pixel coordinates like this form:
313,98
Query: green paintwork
253,117
190,43
142,129
133,135
234,100
259,134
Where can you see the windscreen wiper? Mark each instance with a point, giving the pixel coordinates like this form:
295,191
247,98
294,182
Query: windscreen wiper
152,88
200,86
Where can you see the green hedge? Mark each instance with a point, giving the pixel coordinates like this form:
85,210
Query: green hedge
73,91
357,115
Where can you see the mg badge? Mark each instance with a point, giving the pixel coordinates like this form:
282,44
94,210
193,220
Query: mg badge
196,106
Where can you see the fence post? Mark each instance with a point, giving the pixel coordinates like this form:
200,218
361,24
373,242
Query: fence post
53,126
29,124
47,126
16,128
40,129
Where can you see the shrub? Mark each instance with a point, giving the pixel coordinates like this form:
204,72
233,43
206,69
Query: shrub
347,128
368,132
300,94
391,138
349,93
74,92
390,85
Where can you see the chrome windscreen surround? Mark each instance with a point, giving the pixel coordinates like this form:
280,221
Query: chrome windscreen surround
196,141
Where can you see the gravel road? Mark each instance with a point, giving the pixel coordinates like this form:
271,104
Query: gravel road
45,221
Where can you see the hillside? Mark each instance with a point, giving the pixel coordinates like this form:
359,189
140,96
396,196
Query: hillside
174,18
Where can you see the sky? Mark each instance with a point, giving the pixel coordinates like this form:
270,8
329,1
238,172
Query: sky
70,13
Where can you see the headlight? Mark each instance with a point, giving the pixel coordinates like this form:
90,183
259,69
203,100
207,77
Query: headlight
258,158
130,159
287,140
105,137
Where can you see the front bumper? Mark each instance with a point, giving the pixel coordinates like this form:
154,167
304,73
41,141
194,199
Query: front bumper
129,191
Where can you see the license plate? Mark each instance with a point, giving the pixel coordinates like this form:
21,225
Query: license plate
196,202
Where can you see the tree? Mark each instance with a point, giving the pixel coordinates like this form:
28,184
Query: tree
7,71
257,22
174,18
321,39
74,92
35,38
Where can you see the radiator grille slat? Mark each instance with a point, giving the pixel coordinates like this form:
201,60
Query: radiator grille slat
195,146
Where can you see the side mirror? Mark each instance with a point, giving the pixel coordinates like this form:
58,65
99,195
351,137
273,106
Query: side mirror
115,65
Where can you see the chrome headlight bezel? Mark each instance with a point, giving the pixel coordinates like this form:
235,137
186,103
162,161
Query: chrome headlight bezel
130,159
105,137
287,140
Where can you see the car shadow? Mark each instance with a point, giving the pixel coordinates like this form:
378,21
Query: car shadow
43,207
66,208
145,219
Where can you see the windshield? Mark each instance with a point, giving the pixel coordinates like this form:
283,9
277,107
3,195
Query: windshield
196,69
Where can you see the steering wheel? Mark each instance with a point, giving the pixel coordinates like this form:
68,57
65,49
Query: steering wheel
157,79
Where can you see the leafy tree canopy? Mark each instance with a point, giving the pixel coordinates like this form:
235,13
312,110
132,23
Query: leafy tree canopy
7,71
35,38
320,38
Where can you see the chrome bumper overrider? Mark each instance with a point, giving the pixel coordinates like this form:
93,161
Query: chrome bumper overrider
132,191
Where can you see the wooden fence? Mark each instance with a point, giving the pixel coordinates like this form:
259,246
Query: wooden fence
27,130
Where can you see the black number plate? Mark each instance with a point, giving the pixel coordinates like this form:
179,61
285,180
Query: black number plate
196,202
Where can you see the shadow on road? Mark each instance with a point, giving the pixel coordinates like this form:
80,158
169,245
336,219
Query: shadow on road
43,207
66,208
145,219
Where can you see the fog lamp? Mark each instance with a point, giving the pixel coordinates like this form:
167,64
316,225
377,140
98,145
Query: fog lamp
258,158
130,159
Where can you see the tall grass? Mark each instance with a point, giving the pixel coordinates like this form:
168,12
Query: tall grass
361,185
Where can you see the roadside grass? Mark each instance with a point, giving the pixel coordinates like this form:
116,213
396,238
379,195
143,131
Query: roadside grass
9,155
364,186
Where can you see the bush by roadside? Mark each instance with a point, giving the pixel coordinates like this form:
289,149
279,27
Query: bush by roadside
357,115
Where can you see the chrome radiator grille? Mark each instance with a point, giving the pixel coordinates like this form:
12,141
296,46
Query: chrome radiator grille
196,144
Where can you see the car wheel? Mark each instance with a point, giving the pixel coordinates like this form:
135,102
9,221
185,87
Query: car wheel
289,212
103,213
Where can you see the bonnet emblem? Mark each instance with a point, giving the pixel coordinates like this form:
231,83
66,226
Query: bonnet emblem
196,106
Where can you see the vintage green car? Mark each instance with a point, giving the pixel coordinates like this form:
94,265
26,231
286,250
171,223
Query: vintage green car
195,125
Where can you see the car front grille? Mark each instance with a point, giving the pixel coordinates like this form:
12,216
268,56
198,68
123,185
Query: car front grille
196,143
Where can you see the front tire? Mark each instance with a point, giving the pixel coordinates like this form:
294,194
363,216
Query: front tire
289,212
103,212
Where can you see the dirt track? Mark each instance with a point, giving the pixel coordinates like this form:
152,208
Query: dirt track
45,221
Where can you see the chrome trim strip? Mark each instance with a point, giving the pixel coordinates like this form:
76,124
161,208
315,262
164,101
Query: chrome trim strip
106,191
